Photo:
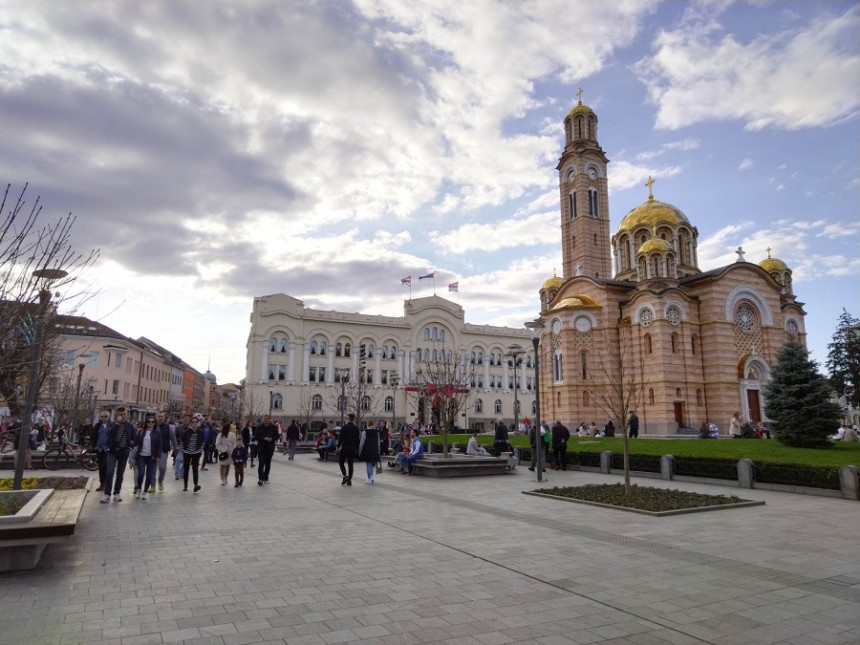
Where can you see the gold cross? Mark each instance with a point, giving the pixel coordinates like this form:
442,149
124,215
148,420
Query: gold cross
768,252
650,183
579,96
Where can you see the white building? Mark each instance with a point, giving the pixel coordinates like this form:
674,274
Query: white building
298,360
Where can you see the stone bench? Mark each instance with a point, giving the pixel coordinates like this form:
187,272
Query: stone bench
22,543
457,465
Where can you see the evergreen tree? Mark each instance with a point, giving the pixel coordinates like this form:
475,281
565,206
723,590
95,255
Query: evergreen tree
843,357
798,400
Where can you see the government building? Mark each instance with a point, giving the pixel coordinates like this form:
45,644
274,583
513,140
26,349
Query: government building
686,345
632,316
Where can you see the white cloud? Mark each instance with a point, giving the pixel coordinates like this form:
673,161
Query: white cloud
540,228
625,174
798,79
746,164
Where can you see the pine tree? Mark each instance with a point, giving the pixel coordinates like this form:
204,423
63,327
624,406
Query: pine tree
843,357
798,400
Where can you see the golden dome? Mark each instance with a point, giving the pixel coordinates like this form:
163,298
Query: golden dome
552,283
655,244
580,109
653,213
577,301
772,265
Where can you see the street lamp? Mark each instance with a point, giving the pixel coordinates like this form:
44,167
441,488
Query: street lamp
343,375
48,276
536,327
395,379
514,353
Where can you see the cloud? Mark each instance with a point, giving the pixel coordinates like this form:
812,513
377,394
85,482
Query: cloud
793,79
746,164
540,228
625,174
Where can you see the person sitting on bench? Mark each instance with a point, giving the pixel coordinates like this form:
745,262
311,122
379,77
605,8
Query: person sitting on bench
416,452
325,445
474,449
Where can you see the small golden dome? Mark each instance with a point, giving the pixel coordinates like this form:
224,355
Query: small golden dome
655,244
772,265
579,108
580,300
653,213
552,283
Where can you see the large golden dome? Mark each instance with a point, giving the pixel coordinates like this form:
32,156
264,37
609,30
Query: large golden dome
655,244
552,283
653,213
579,108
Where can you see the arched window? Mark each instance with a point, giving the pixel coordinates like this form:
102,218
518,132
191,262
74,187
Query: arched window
694,341
479,406
323,347
347,349
389,403
557,366
480,359
583,364
426,355
283,346
273,345
450,356
497,406
442,335
435,356
585,398
271,374
571,204
392,352
277,402
648,348
313,347
651,396
365,403
316,402
338,349
592,202
426,333
674,343
369,349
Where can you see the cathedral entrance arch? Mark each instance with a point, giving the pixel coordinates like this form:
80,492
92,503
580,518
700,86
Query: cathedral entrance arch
754,406
755,373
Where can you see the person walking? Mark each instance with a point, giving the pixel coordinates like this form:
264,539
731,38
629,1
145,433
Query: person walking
267,438
192,448
98,439
384,438
208,439
560,436
120,440
369,449
178,462
347,443
634,426
294,433
239,457
500,441
168,443
225,443
148,457
735,426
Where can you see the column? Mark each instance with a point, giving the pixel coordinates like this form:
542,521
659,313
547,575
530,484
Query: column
264,361
291,366
306,363
329,374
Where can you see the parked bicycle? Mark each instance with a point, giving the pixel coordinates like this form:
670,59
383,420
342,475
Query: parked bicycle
7,441
57,458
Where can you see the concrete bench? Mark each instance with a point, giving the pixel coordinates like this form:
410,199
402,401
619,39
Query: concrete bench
457,465
22,544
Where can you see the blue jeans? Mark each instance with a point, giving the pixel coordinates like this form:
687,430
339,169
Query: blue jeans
145,473
370,467
178,463
114,472
410,462
400,460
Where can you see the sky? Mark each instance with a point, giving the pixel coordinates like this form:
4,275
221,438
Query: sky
218,151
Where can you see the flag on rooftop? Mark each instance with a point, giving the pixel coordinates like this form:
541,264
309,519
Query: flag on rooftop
454,287
432,274
406,281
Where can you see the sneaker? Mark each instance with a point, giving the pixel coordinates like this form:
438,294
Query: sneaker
185,490
259,482
161,488
117,498
235,485
349,482
105,499
136,493
100,488
368,481
223,482
143,496
204,468
371,480
196,488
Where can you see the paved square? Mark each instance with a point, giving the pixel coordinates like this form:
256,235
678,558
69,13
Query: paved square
417,560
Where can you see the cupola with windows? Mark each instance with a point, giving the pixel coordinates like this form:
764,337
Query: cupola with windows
779,271
655,240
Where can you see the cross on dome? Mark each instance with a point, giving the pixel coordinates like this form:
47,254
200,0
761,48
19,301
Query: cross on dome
650,184
579,96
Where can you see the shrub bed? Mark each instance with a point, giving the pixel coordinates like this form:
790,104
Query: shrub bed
57,483
794,475
643,498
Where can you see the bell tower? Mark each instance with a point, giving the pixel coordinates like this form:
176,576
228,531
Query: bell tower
584,194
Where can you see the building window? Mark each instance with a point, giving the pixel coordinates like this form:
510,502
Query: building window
346,350
792,329
283,346
745,318
316,402
674,343
365,403
312,374
426,333
93,360
321,374
282,372
646,317
673,315
592,202
313,348
557,366
480,359
648,348
277,402
115,387
338,349
497,406
479,406
693,342
651,396
389,403
369,350
273,345
571,204
323,347
583,364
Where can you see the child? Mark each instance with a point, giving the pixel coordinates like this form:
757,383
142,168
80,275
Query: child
240,454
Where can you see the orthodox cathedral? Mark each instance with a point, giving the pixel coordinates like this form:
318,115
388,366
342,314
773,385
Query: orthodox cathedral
694,345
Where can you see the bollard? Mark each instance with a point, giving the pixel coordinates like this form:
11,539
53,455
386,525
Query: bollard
667,466
606,462
849,483
745,473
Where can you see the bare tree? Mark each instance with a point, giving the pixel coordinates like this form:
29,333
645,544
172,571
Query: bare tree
27,246
446,383
305,409
618,388
253,402
359,397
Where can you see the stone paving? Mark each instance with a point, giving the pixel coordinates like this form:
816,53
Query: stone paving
418,560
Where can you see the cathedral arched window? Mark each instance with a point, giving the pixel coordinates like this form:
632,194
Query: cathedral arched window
442,335
316,402
557,366
592,202
583,364
674,343
497,406
694,342
571,204
648,348
625,255
426,333
745,318
651,396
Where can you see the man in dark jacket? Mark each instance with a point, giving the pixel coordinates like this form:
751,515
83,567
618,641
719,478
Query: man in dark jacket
500,442
560,435
267,439
168,444
294,433
347,443
121,438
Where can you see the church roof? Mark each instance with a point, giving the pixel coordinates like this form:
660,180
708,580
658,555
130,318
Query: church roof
772,265
653,213
580,300
655,244
553,283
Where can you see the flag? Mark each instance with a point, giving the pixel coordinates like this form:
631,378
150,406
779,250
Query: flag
432,274
454,286
406,281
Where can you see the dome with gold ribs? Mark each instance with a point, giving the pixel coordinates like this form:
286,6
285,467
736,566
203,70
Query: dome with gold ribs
580,300
653,213
772,265
552,283
655,244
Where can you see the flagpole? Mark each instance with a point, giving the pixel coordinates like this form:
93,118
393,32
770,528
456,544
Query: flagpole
434,283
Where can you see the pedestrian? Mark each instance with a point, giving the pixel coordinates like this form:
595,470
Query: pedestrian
208,439
369,449
29,447
560,437
120,440
735,426
225,443
178,462
98,439
239,456
267,438
634,426
416,452
384,438
347,443
251,440
500,442
294,433
148,457
192,448
168,444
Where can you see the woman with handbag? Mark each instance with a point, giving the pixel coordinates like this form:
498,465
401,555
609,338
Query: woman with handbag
225,443
368,449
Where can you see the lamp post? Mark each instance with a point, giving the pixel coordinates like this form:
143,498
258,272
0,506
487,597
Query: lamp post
536,327
343,375
73,431
395,379
48,276
514,353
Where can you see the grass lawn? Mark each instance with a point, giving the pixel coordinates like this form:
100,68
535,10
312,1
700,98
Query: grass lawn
762,450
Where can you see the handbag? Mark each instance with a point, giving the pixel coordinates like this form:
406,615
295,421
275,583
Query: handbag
223,456
378,467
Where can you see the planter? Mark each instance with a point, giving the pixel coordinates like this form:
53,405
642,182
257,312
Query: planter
34,499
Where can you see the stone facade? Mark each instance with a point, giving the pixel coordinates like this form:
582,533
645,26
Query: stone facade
299,361
687,346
